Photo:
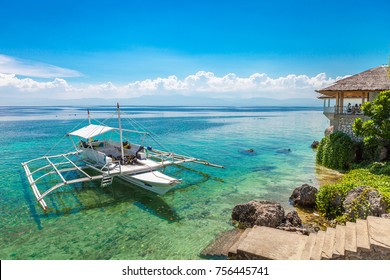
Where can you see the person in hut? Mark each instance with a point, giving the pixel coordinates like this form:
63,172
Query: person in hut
349,108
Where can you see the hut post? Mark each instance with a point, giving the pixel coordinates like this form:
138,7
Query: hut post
337,103
364,97
341,109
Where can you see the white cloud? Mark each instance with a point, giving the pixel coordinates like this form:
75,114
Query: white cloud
30,85
258,84
202,84
11,65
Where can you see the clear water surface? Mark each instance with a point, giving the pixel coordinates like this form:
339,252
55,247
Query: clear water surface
123,222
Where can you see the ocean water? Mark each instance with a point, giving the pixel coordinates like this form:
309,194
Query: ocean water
85,221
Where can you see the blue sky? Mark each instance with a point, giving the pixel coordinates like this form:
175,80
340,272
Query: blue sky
114,43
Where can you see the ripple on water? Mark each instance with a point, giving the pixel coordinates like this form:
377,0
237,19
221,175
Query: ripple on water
123,222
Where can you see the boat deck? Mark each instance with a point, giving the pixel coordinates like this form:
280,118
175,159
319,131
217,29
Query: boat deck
141,166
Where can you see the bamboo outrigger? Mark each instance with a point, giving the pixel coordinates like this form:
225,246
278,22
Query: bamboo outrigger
103,160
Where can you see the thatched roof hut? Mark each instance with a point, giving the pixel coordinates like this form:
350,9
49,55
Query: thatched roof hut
374,80
356,89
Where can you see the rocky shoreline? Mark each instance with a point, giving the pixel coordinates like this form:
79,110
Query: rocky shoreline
359,203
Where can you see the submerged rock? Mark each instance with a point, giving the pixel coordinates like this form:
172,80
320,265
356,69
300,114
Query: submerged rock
284,151
304,196
263,168
258,212
248,152
364,201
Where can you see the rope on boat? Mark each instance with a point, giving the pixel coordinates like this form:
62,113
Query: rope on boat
104,121
152,135
135,124
62,138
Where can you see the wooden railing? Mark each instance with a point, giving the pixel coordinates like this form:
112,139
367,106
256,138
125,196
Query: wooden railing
343,110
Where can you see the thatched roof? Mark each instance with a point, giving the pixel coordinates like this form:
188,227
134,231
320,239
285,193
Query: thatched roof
373,80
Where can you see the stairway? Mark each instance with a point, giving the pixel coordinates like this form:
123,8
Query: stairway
366,239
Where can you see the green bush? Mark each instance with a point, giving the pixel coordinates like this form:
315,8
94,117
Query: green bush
330,197
336,151
372,148
378,168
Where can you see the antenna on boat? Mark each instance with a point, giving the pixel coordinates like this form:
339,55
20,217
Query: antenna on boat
120,132
89,117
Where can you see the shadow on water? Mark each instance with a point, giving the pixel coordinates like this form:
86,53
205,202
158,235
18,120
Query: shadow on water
60,202
145,200
31,202
88,196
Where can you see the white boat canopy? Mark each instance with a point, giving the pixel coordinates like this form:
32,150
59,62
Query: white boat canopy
91,130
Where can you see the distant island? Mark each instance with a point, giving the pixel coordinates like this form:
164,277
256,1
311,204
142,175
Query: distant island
171,100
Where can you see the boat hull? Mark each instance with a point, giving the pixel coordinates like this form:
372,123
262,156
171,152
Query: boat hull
154,181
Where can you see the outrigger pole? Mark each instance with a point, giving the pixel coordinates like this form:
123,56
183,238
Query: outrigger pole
120,133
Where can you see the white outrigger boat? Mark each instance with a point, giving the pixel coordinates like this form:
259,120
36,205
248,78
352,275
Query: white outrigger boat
102,159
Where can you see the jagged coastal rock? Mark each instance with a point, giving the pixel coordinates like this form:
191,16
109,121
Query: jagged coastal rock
304,196
268,214
364,201
315,144
292,219
258,212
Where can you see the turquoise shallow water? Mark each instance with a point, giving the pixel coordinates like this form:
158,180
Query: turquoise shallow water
123,222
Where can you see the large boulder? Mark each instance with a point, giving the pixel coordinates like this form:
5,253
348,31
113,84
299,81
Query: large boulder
304,196
258,212
364,201
315,144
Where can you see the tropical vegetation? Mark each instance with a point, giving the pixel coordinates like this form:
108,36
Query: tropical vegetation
339,151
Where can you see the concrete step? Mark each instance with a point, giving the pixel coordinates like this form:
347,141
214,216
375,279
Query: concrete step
362,239
264,243
329,240
339,244
350,240
365,239
233,249
379,235
220,246
309,245
317,249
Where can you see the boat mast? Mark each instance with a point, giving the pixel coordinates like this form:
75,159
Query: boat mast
120,132
89,117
